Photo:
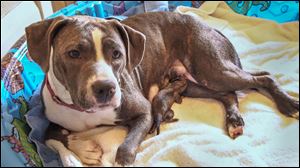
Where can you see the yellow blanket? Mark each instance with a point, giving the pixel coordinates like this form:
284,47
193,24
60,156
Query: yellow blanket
199,138
270,139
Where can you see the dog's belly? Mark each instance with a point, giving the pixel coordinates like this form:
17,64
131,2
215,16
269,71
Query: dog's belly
179,68
75,120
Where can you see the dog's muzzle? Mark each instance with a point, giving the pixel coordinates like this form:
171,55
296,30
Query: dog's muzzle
103,90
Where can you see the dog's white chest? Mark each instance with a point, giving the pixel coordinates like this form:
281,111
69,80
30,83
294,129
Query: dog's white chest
75,120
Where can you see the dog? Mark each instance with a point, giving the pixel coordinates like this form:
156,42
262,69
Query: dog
106,72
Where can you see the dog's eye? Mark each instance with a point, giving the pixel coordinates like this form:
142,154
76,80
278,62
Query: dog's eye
74,54
116,54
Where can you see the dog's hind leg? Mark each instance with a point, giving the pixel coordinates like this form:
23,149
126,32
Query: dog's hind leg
286,104
238,79
234,122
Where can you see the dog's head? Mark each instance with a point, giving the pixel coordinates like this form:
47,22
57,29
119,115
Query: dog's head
87,55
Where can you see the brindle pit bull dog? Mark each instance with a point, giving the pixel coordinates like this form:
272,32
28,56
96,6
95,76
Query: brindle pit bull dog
105,72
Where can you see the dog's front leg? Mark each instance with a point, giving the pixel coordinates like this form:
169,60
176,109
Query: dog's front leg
57,139
137,131
72,149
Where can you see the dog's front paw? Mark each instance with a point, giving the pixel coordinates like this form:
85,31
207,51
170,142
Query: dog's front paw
235,125
88,151
69,160
125,155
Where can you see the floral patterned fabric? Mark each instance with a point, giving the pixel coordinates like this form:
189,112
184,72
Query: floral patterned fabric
279,11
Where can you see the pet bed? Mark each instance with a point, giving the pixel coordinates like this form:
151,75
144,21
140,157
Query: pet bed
269,139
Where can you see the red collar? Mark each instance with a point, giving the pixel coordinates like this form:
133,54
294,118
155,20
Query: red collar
60,102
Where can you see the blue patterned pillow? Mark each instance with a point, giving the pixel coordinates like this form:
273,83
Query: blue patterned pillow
279,11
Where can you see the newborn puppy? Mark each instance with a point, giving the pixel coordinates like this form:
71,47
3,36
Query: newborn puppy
172,86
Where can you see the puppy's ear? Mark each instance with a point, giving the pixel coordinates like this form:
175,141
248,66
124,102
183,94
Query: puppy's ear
39,38
134,42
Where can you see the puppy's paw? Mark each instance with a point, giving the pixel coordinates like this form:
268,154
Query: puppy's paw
125,156
235,124
88,151
157,120
169,116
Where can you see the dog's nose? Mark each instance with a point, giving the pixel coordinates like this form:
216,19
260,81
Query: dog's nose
103,90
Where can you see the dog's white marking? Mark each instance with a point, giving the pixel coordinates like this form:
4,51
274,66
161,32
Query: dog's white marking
154,89
76,120
86,149
68,158
103,70
97,38
109,138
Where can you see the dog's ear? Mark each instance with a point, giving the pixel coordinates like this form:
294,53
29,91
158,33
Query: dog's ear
134,42
39,38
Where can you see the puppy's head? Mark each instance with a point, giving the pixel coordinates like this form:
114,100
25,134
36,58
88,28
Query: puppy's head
87,55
